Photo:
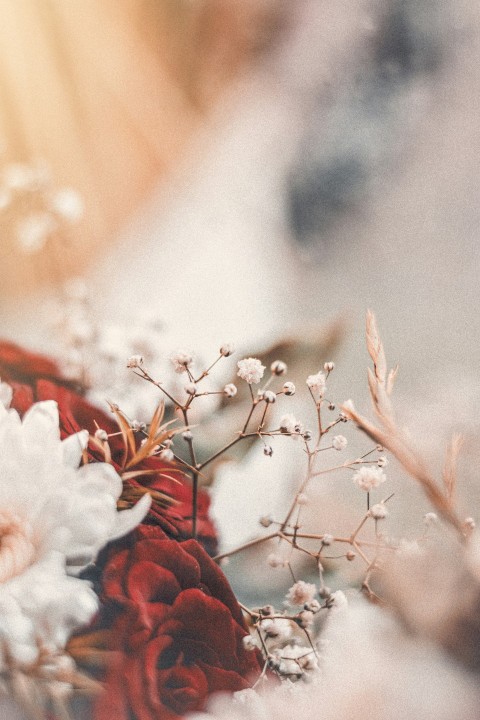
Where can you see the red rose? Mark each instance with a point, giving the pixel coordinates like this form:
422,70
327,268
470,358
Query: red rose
178,630
35,378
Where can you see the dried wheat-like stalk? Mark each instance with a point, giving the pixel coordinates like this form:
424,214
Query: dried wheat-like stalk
394,439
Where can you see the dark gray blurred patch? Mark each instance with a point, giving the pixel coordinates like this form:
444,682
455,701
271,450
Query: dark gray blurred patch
355,138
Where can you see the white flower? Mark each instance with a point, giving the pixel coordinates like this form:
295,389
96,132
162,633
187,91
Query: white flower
230,390
54,519
135,361
34,231
369,477
378,511
227,349
278,367
68,203
280,628
301,593
181,361
288,423
251,370
316,383
275,560
289,388
339,442
250,643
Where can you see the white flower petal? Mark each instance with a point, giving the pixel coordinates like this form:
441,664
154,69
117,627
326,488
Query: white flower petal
103,475
127,520
73,448
41,423
6,394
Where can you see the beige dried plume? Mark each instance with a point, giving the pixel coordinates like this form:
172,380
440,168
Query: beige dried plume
388,434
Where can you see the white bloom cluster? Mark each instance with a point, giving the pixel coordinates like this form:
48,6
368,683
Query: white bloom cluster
301,593
181,361
34,207
54,518
369,477
95,353
251,370
317,385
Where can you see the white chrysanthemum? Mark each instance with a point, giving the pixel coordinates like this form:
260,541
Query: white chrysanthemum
369,477
54,518
251,370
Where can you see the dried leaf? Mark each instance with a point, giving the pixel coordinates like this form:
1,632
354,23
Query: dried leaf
127,432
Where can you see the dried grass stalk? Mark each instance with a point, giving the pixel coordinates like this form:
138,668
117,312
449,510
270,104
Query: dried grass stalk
389,435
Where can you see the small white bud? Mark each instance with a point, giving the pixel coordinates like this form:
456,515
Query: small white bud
191,389
230,390
275,560
101,435
307,435
305,618
289,388
278,367
135,361
430,518
227,349
469,523
249,643
351,555
382,462
187,435
268,450
325,592
378,511
167,455
316,383
138,426
313,606
327,539
302,499
181,361
269,396
266,521
328,367
339,442
288,423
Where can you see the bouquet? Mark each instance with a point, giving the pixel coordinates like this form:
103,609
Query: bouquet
113,602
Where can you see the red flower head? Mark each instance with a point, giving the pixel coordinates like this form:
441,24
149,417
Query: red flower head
35,378
178,630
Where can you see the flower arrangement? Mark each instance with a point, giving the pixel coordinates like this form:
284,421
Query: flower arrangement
113,602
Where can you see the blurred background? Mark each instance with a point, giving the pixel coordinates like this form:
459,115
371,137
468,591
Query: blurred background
250,172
